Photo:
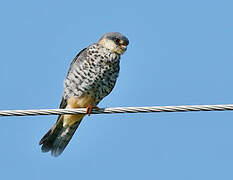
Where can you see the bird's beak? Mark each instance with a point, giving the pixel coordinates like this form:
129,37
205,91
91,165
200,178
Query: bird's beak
123,48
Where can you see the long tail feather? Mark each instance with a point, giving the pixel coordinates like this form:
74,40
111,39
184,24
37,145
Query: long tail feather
57,138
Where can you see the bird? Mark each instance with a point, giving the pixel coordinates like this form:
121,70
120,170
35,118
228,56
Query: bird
92,76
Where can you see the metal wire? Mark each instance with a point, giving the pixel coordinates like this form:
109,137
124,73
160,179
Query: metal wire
222,107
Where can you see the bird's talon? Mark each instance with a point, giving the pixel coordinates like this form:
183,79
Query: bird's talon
90,108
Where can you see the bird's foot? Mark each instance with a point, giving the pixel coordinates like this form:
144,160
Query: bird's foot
90,108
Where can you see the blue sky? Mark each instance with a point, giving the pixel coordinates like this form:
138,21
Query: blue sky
180,53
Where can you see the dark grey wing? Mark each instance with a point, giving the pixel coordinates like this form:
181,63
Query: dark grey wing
63,103
52,140
47,139
77,57
58,136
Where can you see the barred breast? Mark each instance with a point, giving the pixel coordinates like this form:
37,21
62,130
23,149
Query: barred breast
94,71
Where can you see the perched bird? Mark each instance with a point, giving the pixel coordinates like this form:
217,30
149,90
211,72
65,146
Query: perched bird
91,76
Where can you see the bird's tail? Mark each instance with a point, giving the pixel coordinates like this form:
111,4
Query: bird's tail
57,138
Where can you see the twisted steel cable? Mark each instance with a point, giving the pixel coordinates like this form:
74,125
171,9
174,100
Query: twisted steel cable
186,108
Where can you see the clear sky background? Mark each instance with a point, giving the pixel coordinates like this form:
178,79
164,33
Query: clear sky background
180,53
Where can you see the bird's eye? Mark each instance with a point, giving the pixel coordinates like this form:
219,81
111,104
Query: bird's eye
116,40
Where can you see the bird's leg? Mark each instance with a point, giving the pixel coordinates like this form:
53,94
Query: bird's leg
90,108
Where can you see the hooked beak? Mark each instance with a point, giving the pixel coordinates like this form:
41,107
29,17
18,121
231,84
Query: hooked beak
123,47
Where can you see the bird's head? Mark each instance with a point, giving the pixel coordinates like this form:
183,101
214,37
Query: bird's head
114,41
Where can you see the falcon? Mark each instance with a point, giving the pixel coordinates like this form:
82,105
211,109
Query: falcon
92,76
